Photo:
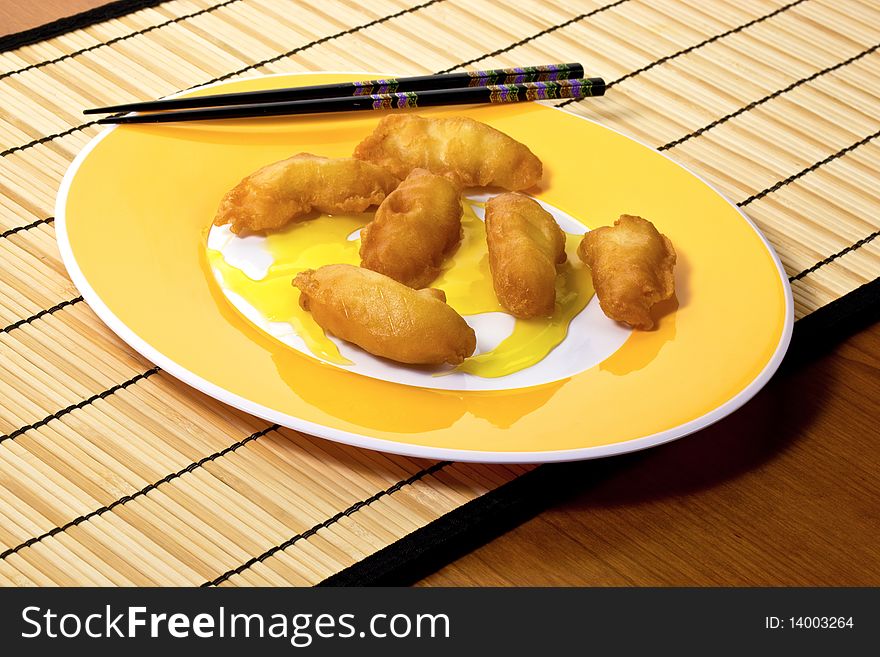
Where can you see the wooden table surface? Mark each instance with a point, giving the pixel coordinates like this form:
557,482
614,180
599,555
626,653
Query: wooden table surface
783,492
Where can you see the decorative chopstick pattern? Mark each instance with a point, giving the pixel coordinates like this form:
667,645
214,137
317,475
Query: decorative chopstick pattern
513,75
494,94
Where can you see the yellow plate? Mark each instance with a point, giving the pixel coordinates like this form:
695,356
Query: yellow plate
134,207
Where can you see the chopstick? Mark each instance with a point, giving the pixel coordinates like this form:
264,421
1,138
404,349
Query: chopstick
506,93
517,75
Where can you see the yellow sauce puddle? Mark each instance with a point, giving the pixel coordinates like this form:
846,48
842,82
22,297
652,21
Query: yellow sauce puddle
467,282
465,279
306,245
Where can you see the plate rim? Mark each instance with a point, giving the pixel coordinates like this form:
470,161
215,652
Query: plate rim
381,444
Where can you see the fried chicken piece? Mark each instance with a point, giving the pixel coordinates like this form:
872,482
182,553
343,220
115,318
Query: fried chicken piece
477,154
525,245
288,190
384,317
415,227
631,265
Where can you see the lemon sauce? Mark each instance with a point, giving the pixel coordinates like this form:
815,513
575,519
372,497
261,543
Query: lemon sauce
465,278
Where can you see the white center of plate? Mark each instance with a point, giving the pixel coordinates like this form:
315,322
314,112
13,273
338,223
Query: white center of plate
591,338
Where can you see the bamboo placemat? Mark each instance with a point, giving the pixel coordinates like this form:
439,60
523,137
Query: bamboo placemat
112,472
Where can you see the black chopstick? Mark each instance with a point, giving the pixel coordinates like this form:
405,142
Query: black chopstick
506,93
517,75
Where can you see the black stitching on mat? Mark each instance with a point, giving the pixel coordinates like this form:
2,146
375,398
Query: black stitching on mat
110,42
689,49
852,247
330,521
143,491
318,42
263,62
812,167
85,402
42,313
33,224
553,28
775,94
47,138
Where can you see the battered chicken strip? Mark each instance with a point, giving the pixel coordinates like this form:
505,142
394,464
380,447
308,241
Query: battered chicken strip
631,265
384,317
415,227
477,154
525,245
284,191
